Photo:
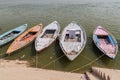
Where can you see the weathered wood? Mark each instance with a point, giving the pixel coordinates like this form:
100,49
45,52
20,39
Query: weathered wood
48,36
24,39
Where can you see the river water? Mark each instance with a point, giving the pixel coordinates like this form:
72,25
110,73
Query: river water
88,13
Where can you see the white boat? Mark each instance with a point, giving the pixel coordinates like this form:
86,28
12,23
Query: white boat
48,36
72,40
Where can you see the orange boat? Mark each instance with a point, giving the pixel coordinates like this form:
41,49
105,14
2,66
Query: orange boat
24,39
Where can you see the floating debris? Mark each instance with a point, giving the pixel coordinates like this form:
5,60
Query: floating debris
22,56
51,57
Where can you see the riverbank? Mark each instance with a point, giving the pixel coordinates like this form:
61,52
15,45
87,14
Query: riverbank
19,70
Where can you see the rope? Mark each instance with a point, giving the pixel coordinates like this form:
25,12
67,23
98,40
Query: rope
91,60
36,59
87,64
53,61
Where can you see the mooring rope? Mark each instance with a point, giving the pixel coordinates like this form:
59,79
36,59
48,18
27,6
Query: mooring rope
91,60
87,64
36,60
52,61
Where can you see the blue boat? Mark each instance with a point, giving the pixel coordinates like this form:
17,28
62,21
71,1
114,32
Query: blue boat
105,42
12,34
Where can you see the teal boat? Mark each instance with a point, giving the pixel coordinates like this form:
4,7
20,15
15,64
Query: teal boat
12,34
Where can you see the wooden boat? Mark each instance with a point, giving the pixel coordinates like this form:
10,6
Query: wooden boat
48,36
72,40
24,39
105,42
12,34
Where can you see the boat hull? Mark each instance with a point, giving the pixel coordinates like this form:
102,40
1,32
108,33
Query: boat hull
105,42
12,34
72,40
25,39
48,36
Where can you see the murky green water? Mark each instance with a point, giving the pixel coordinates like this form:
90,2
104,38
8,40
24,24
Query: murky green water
89,15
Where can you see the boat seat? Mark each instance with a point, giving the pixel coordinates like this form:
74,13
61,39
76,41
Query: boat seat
72,34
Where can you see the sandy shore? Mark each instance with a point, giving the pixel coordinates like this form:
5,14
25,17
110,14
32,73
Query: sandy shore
18,70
